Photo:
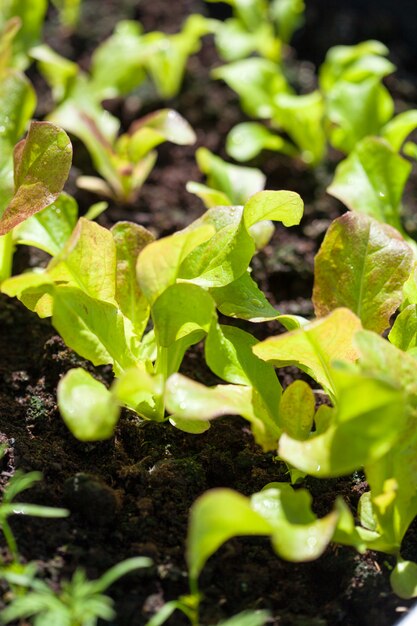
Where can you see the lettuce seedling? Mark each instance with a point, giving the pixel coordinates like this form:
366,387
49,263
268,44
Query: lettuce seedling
258,26
372,178
350,74
227,184
127,161
101,311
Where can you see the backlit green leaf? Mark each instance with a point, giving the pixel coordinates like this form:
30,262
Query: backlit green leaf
87,406
363,265
296,410
314,346
371,180
243,299
42,163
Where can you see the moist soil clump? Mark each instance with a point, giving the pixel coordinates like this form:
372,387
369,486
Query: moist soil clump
131,495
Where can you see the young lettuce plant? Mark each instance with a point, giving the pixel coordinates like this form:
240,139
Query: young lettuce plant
258,27
128,160
102,311
30,16
349,74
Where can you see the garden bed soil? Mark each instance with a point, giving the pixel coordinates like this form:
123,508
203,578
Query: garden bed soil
131,495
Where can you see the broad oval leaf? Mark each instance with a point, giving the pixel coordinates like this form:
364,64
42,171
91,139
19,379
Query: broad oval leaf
87,407
42,163
279,206
361,265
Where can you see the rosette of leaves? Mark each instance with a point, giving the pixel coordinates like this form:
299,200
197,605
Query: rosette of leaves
102,288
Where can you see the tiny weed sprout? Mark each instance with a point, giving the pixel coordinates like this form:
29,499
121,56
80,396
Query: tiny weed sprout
80,602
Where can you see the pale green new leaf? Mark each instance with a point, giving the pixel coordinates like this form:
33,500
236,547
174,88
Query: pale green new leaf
357,110
87,406
228,353
279,206
403,333
142,391
33,289
297,409
159,262
371,180
187,399
59,72
398,129
88,261
182,310
314,346
31,15
225,256
368,418
41,163
51,228
256,81
403,579
95,329
243,299
245,141
302,118
362,265
236,182
215,517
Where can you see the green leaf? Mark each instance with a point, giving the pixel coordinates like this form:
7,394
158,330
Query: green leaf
228,353
237,183
243,299
94,329
365,426
362,265
87,406
159,262
88,261
277,511
302,118
247,618
210,197
42,163
297,533
288,16
296,410
31,16
130,239
234,41
117,65
403,333
403,579
17,105
51,228
182,310
155,128
58,71
245,141
371,181
398,129
279,206
141,391
215,517
225,256
33,290
357,110
393,479
314,346
257,82
169,54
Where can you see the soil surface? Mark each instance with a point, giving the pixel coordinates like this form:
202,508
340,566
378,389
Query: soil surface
131,495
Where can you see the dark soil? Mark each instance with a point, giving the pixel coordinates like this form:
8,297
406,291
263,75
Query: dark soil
131,495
